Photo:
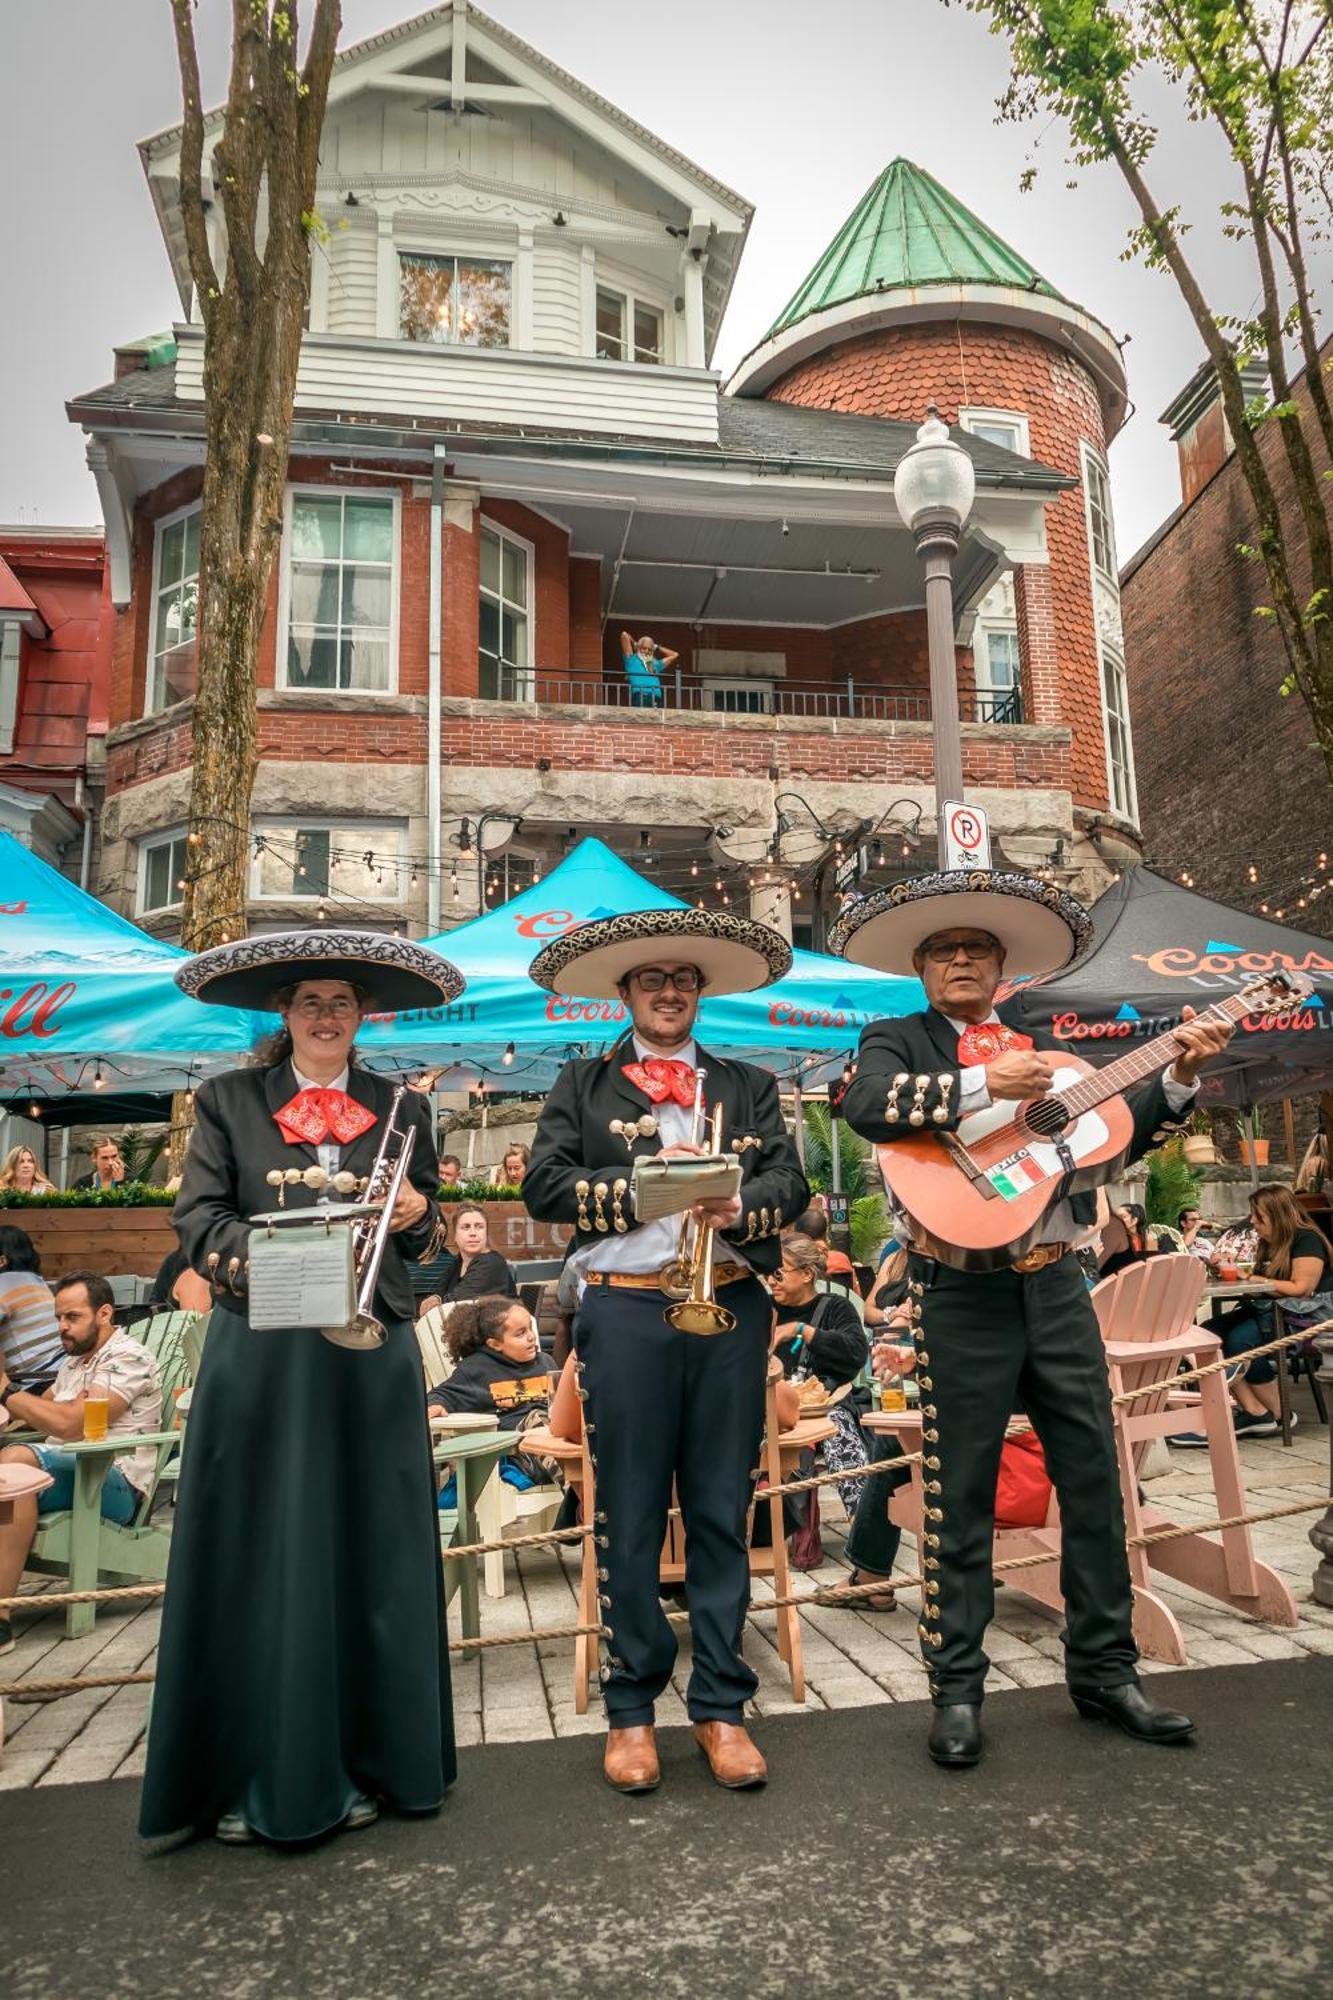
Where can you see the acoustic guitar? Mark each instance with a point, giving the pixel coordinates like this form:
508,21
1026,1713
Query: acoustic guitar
977,1196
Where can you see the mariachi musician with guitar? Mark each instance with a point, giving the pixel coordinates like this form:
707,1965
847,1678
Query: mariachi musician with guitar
992,1147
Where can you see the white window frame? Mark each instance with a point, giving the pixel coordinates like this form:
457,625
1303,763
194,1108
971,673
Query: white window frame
624,285
11,644
745,684
1112,670
505,254
1096,467
526,676
150,665
1008,627
167,837
311,489
379,835
969,418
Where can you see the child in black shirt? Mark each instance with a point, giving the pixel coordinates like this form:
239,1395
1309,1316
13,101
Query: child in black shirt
501,1373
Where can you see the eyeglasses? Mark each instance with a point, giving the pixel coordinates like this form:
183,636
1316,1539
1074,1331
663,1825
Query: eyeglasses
685,979
943,951
310,1009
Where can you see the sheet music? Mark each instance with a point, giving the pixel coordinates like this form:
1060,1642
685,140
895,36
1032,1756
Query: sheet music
300,1277
668,1187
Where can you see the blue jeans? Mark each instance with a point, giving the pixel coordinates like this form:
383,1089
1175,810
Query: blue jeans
120,1502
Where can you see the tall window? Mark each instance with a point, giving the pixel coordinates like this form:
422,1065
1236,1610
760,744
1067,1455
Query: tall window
357,861
503,643
173,665
998,675
457,301
1101,522
340,591
628,329
162,866
1119,747
9,683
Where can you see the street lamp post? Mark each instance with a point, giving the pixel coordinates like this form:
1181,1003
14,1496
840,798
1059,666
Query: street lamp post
934,488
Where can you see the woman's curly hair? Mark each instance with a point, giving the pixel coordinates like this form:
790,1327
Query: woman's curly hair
474,1323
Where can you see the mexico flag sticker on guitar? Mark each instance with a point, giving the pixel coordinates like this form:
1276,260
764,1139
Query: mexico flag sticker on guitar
1015,1176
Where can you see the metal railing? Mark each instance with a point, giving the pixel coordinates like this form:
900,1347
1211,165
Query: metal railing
816,701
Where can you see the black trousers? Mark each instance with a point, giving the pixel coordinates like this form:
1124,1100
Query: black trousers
662,1405
872,1540
986,1343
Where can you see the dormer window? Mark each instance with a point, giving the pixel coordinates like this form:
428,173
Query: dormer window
454,301
628,329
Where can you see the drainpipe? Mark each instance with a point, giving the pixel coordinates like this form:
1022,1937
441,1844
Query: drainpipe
433,802
89,811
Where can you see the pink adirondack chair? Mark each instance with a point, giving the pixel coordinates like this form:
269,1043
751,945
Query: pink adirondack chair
16,1483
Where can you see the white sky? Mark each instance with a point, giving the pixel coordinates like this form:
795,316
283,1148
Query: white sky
798,107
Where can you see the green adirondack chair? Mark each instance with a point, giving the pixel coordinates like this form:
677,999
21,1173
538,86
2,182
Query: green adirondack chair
79,1544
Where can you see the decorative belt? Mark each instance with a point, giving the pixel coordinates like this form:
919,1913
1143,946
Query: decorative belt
1038,1259
648,1281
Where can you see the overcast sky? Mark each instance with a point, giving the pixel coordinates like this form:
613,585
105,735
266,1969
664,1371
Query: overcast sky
796,106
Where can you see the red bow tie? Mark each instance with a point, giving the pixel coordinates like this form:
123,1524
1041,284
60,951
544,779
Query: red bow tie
985,1040
658,1080
313,1116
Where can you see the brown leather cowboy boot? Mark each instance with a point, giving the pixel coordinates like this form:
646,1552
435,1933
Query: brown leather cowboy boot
630,1763
732,1757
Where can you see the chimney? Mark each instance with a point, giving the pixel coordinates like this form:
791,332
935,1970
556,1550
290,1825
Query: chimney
1199,427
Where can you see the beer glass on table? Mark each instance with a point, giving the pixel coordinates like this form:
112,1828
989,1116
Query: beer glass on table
96,1411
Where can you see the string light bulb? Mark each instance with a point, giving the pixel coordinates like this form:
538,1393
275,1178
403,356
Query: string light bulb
99,1080
508,1056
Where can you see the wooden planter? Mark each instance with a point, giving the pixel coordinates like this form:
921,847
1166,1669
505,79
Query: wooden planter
110,1241
117,1241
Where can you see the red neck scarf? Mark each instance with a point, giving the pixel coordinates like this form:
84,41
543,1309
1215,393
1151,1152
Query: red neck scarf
659,1079
983,1041
314,1116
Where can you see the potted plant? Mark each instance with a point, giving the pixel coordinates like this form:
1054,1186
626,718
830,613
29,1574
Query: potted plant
1170,1185
1200,1147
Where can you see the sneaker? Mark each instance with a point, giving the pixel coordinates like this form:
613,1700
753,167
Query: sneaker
7,1639
1189,1441
1256,1426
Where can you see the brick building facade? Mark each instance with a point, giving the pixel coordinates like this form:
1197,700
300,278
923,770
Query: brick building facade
1232,789
579,473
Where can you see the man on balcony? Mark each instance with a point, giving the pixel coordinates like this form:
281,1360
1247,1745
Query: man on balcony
643,669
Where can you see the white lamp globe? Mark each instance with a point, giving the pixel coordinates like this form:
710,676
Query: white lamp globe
934,477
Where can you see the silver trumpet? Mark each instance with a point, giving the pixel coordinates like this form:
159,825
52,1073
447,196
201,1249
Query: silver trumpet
370,1233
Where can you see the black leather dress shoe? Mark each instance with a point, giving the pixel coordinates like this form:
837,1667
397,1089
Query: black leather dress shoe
1129,1709
955,1734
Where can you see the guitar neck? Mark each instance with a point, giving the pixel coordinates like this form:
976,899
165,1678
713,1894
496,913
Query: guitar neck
1150,1060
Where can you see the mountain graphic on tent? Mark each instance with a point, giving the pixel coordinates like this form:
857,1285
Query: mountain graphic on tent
1128,1013
1215,944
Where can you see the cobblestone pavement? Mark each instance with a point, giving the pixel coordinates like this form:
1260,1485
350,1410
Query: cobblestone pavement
852,1658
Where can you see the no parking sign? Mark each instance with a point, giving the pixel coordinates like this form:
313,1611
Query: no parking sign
966,836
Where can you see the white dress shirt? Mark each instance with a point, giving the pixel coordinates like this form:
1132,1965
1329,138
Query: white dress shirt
646,1249
974,1095
329,1155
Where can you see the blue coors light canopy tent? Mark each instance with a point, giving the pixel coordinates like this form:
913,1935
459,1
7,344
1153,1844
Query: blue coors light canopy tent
820,1007
1160,947
82,989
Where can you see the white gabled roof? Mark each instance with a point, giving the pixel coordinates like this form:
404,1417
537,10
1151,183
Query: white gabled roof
450,28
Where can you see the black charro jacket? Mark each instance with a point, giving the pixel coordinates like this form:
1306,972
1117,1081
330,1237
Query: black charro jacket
580,1169
925,1046
235,1143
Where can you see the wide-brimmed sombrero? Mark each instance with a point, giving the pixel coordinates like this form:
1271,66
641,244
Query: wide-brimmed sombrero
392,971
1040,927
734,954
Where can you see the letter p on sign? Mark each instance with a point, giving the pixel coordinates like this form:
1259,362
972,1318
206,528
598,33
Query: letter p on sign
966,836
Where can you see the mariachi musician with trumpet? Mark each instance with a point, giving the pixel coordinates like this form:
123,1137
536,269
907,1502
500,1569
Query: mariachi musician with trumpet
303,1672
672,1332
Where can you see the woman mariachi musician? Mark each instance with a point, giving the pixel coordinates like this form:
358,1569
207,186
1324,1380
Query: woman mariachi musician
303,1673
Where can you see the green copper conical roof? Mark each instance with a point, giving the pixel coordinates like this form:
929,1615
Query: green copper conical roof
905,232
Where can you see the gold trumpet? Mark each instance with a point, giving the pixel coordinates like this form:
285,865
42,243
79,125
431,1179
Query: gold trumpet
688,1278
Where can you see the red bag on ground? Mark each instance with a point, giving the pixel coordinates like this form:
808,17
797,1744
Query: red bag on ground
1023,1489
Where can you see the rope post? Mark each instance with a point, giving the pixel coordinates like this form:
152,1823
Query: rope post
1322,1533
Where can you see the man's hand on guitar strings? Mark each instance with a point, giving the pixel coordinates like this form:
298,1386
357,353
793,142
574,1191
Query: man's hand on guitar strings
1200,1042
1020,1074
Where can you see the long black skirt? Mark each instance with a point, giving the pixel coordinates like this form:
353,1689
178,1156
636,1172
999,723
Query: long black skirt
303,1658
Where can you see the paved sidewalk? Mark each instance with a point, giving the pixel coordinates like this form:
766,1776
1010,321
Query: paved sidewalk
852,1658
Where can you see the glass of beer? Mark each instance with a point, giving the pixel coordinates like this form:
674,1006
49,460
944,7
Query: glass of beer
96,1411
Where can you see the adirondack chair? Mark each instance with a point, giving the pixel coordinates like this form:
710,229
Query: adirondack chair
17,1482
781,1453
1146,1316
77,1542
501,1505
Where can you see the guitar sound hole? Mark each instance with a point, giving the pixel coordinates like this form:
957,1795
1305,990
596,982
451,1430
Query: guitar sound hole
1047,1118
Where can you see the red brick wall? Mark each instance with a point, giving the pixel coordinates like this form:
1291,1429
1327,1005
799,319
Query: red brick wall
585,616
1228,774
964,365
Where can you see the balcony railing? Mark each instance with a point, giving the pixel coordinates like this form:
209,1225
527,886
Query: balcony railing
814,701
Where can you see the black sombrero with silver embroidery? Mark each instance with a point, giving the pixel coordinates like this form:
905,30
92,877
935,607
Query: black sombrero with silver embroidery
1040,927
391,971
734,954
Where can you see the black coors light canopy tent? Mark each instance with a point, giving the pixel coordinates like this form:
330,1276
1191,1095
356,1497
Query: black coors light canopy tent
1159,947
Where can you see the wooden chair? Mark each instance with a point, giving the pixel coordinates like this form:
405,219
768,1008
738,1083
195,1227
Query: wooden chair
77,1542
17,1482
781,1455
1146,1315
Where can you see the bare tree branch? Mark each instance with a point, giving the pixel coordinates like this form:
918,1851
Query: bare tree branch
192,158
